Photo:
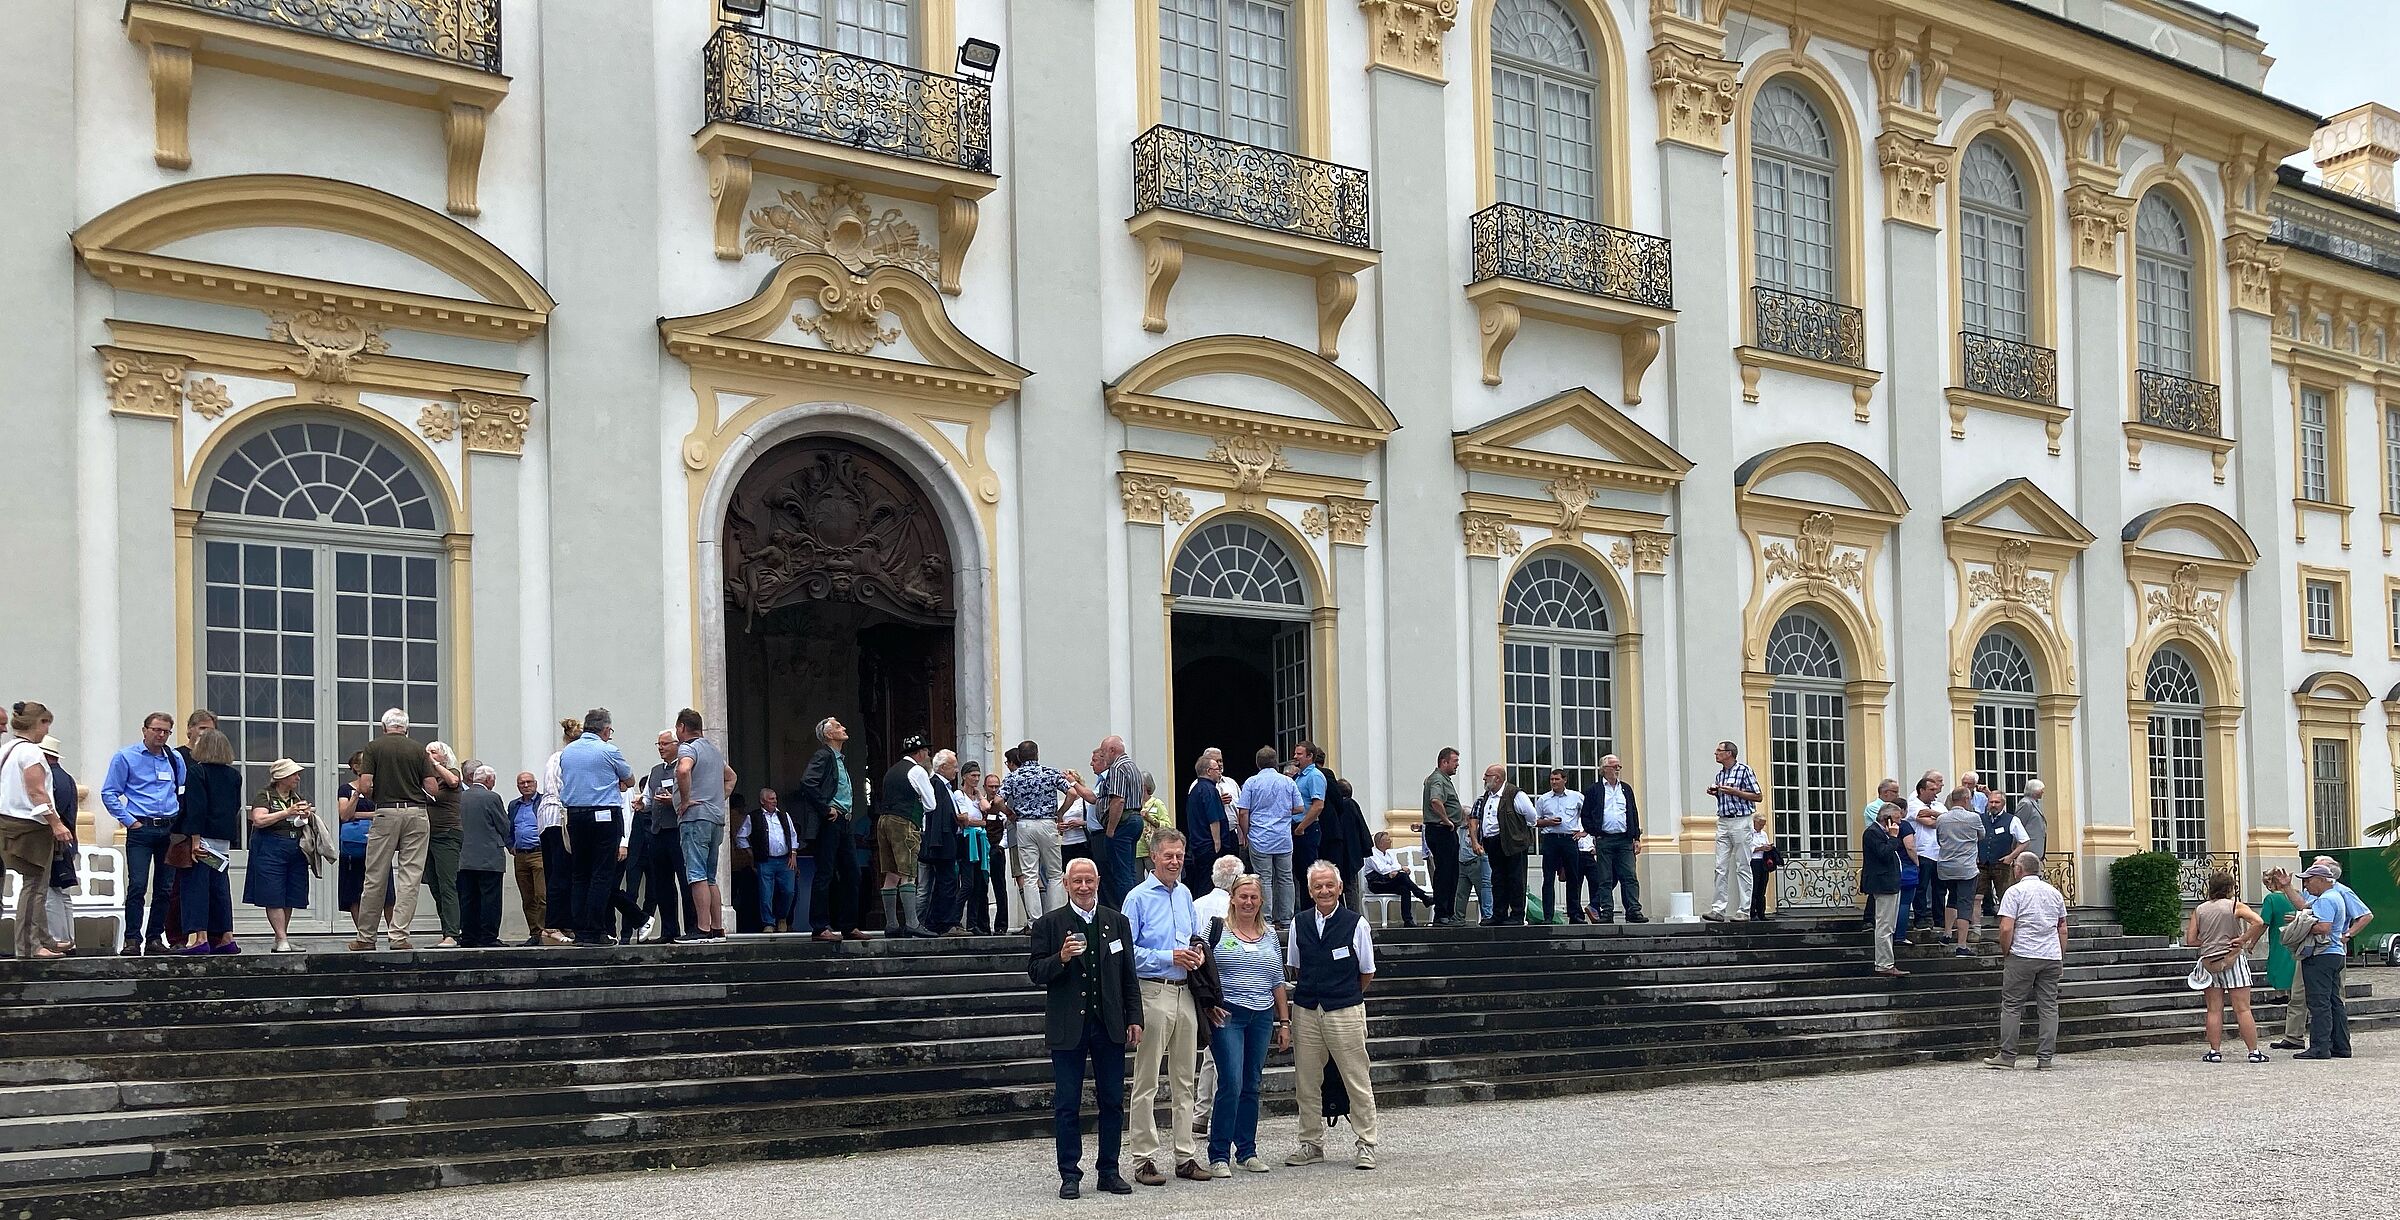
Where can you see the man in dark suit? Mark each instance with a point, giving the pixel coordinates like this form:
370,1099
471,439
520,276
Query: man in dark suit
822,807
1083,953
1614,821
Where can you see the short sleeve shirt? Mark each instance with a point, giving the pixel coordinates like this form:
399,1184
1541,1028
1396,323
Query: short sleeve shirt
1739,776
1033,790
1124,780
2038,909
1274,802
704,789
1311,783
397,761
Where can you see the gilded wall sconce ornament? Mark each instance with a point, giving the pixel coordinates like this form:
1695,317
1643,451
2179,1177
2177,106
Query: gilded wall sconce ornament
330,342
1815,555
208,398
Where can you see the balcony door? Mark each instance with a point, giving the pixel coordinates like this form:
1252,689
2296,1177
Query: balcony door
1225,69
882,30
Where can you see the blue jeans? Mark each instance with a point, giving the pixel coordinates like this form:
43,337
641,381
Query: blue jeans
777,891
1108,1089
1908,902
1477,871
146,873
1240,1046
207,902
1115,858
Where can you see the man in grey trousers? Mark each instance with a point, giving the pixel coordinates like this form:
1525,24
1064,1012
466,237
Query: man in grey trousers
2033,942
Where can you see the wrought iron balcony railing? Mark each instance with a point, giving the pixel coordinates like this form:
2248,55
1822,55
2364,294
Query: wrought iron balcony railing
2181,404
1521,243
1811,328
1185,171
758,80
464,32
2198,867
1809,881
2058,868
2005,368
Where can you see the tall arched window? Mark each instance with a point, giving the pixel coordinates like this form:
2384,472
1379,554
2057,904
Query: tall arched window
1225,69
2162,287
1232,569
2005,714
1993,224
1808,735
1545,136
1558,656
2178,768
322,598
876,29
1791,192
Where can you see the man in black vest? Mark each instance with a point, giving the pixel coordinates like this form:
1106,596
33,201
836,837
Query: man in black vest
1503,818
900,805
941,849
1083,954
1614,821
822,805
1332,960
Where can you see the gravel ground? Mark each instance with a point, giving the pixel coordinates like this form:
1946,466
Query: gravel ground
2149,1133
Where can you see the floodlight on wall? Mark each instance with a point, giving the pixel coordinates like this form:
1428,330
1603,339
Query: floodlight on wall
977,57
745,8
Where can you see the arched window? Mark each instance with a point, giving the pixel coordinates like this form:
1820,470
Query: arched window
2162,287
1558,657
2005,714
1545,138
2178,769
876,29
1993,224
322,595
1225,69
1791,192
1808,734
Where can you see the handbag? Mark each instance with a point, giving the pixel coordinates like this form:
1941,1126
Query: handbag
1208,991
180,851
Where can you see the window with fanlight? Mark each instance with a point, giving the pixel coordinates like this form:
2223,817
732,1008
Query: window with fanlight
1793,160
1808,737
2007,714
1545,109
2165,300
2177,762
1558,673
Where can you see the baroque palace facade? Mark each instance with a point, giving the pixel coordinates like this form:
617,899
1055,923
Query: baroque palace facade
1882,384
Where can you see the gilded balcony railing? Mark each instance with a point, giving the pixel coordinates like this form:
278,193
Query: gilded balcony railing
758,80
1811,328
1521,243
2005,368
2058,868
2181,404
1809,882
1185,171
465,32
2197,868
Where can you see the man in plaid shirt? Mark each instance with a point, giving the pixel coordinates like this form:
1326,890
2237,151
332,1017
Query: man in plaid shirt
1736,790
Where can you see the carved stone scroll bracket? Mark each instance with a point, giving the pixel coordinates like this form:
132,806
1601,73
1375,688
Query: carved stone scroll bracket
956,221
171,103
1337,291
729,189
1497,321
462,135
1162,263
1637,348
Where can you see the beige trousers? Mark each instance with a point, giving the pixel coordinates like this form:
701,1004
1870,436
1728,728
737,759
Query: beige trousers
1340,1036
396,844
2295,1014
1170,1032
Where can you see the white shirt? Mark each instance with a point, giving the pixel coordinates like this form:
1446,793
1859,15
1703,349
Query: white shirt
1362,946
1929,845
1215,904
776,847
1384,864
1491,825
2039,909
1230,792
967,808
922,783
549,812
1612,808
1070,825
16,799
1566,806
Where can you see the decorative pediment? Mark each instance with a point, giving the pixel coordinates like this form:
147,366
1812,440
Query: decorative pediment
1790,477
2190,533
1343,414
2018,511
1573,435
2332,688
852,315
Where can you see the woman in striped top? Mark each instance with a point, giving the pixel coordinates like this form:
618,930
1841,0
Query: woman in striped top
1249,965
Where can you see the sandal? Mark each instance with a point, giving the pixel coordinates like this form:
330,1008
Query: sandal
2258,1057
2212,1057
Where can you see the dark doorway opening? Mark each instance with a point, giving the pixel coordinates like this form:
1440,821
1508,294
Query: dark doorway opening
1240,683
882,677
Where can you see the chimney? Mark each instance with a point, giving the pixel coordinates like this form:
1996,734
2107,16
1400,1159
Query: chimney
2356,150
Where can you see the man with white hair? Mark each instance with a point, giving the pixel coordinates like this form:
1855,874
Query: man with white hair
2033,941
483,857
1332,960
2030,816
1117,797
395,772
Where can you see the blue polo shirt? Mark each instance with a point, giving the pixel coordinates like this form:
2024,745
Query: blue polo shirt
589,771
140,786
1311,783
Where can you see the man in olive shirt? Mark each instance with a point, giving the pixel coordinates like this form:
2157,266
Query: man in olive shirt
1443,816
393,770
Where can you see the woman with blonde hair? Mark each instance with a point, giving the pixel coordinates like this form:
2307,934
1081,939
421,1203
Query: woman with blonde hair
2223,930
210,817
1248,959
557,872
30,829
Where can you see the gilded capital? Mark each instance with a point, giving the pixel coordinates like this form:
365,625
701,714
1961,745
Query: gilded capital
143,383
1406,35
2253,263
1913,170
1650,551
1488,535
493,423
1349,517
2100,218
1152,500
1696,94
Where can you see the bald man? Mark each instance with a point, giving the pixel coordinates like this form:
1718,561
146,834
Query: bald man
1082,955
1115,818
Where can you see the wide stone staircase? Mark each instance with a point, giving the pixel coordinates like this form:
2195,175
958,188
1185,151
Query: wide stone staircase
133,1087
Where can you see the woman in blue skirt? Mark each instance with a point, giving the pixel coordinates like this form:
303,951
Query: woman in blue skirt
279,876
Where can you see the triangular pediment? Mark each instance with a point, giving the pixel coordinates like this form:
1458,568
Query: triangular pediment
888,327
1575,432
2019,506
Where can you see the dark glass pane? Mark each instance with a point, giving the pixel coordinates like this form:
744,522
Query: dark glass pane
387,695
349,614
421,663
224,561
350,658
300,745
299,612
385,617
299,568
224,651
387,661
420,619
420,577
258,565
299,699
424,706
224,690
258,697
349,571
350,702
299,657
258,609
224,606
260,654
386,570
258,743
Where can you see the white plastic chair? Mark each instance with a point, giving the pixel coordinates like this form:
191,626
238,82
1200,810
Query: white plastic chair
102,892
1412,861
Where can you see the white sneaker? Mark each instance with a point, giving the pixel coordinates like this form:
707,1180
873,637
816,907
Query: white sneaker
1254,1164
1219,1169
1366,1156
1306,1154
650,929
284,946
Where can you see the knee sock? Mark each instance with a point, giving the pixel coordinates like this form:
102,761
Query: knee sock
891,910
908,905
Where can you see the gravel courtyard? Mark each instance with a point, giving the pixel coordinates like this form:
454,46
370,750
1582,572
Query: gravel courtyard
2149,1133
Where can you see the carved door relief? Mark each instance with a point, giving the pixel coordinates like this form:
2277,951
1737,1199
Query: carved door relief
828,520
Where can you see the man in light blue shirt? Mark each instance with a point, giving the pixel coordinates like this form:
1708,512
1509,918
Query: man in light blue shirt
592,779
1163,929
2340,916
142,791
1263,816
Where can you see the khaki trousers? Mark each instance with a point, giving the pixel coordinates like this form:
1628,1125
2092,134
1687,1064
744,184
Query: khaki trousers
397,841
1340,1036
533,890
26,847
1170,1032
2295,1013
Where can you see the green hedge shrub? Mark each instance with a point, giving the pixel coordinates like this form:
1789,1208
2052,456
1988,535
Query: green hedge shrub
2149,902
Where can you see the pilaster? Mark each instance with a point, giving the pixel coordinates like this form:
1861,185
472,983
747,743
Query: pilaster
2098,339
2274,795
1920,618
500,711
1355,733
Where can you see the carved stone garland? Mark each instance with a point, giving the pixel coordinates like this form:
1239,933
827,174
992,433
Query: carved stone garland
1815,555
838,221
2011,581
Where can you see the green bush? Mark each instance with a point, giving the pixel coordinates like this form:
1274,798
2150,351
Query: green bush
2149,901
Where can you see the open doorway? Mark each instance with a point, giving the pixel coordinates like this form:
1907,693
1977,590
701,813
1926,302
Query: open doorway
1239,643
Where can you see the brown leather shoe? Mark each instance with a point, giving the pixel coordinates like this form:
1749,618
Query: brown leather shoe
854,935
828,935
1192,1171
1147,1174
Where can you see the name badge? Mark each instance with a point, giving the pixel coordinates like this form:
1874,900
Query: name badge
1341,953
165,776
604,815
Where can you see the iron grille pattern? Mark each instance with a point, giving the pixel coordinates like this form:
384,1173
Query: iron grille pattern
453,31
1185,171
758,80
2180,403
1807,882
2058,868
2005,368
1811,328
2198,867
1521,243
